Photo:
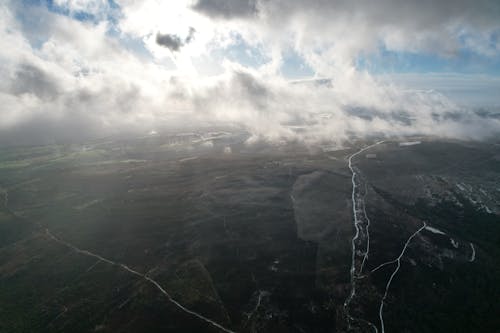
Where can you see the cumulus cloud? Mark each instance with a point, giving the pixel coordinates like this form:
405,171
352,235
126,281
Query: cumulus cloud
71,80
334,33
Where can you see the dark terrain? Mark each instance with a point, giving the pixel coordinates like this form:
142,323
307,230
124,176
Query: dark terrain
256,238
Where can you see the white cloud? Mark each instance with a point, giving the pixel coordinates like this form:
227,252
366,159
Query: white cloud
82,81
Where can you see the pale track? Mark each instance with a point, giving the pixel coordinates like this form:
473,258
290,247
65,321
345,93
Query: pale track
143,276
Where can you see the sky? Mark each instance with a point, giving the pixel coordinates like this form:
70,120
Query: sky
312,71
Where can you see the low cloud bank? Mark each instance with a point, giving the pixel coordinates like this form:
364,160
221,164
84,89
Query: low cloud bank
37,109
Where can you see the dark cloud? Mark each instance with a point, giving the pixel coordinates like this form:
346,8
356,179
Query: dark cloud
190,36
174,42
415,13
29,79
227,8
250,85
171,42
